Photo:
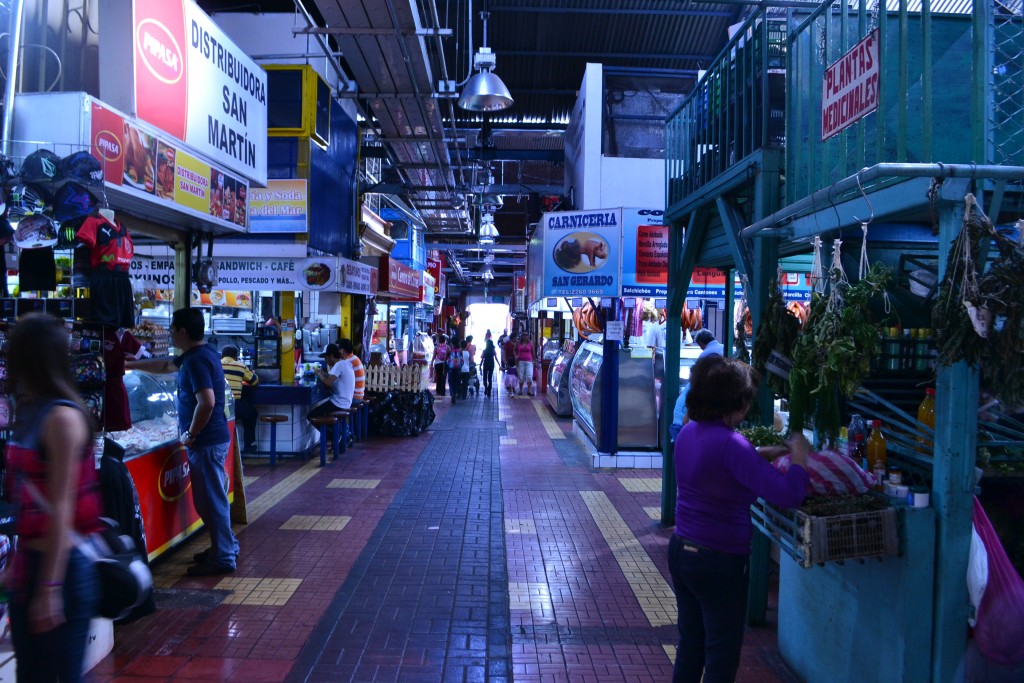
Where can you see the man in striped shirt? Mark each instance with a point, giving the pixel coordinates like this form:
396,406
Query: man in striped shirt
238,375
348,353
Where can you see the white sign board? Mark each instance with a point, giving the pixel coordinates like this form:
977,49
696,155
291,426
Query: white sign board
849,89
193,82
614,330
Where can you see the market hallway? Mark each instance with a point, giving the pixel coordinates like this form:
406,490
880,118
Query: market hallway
485,549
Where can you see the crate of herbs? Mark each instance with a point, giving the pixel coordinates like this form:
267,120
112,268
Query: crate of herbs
831,528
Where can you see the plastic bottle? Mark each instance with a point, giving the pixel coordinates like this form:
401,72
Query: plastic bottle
921,349
857,434
876,451
926,416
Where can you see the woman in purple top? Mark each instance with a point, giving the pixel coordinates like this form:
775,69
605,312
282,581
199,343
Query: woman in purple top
718,475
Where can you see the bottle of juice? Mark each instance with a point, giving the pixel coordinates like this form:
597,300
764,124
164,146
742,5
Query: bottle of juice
926,416
876,453
856,436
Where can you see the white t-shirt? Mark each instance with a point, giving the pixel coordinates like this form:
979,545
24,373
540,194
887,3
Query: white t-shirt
465,361
344,383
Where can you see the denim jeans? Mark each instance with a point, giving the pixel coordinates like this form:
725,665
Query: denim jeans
210,496
711,596
56,655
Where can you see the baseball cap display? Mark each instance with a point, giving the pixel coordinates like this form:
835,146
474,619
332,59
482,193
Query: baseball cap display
24,200
73,201
35,232
82,167
41,166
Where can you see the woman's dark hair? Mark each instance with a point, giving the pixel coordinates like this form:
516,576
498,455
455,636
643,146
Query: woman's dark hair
443,339
38,363
719,387
190,320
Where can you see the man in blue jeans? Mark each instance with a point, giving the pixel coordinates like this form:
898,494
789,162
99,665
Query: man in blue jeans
204,433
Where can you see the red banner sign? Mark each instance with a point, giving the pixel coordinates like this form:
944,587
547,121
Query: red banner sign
398,281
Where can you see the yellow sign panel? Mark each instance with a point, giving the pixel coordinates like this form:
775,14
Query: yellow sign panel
279,207
192,183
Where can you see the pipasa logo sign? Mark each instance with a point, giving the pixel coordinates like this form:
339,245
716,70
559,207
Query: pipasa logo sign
107,134
173,480
161,67
159,51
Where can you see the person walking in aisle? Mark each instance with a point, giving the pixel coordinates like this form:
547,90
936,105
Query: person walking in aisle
440,362
524,357
718,476
464,369
238,377
204,433
51,481
489,355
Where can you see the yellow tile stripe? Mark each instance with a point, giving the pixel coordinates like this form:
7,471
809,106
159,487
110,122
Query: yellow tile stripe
524,595
670,650
354,484
253,591
257,507
520,526
550,426
317,523
641,485
248,480
653,512
507,441
651,590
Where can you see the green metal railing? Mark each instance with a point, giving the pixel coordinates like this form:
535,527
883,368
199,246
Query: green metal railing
951,88
736,108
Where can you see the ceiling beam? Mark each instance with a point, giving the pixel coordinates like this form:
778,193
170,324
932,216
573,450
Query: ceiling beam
370,31
493,154
512,188
606,55
510,9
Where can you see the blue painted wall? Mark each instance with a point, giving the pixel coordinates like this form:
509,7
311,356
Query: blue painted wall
331,183
411,250
857,622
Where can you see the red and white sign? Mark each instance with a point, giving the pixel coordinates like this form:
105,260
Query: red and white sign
194,83
850,87
398,281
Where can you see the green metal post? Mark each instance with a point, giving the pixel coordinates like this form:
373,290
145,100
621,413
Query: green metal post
926,80
956,425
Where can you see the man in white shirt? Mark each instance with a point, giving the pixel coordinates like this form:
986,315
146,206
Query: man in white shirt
340,379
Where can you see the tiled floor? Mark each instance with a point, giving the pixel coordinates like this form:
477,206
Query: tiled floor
484,549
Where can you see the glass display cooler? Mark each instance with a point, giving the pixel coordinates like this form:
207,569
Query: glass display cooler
267,355
558,379
158,462
550,351
688,355
637,399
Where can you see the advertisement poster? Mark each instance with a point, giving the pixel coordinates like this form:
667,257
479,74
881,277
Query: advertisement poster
137,156
644,253
247,274
282,206
194,83
849,89
399,281
357,278
582,252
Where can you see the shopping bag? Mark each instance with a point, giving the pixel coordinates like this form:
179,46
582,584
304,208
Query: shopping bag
999,631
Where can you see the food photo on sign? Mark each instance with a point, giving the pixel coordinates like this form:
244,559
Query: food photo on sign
316,274
581,252
140,158
165,171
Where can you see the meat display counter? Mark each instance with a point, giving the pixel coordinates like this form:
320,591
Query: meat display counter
158,462
558,379
637,399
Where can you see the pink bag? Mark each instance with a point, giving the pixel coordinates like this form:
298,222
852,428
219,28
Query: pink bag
1000,624
832,473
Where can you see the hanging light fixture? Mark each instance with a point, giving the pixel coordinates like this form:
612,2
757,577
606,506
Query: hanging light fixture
488,231
487,272
484,91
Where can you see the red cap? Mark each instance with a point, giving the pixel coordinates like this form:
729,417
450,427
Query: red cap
929,392
876,424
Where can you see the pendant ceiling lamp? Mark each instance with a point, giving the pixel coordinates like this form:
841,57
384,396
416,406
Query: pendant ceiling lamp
487,273
488,230
484,91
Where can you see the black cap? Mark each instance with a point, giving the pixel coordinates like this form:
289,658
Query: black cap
41,166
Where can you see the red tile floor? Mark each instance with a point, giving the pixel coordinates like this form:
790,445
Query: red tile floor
484,549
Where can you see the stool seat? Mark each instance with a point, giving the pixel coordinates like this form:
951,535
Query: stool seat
324,420
341,429
273,420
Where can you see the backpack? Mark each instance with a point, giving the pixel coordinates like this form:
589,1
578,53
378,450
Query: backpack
441,353
455,361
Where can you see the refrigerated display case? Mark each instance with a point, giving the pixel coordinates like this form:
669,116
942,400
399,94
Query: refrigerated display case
637,399
267,360
158,462
688,355
558,379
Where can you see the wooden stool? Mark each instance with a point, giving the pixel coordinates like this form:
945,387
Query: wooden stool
341,429
321,423
273,420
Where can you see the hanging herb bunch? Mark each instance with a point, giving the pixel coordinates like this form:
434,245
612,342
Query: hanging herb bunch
833,355
777,332
981,319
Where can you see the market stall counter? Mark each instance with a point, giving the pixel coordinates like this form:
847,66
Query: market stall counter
295,436
158,463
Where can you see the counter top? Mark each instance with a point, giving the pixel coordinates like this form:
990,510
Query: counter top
284,394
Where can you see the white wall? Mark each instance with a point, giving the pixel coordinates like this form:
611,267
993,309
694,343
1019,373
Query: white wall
632,182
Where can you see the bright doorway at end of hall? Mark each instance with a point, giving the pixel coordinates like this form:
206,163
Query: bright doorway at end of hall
484,317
